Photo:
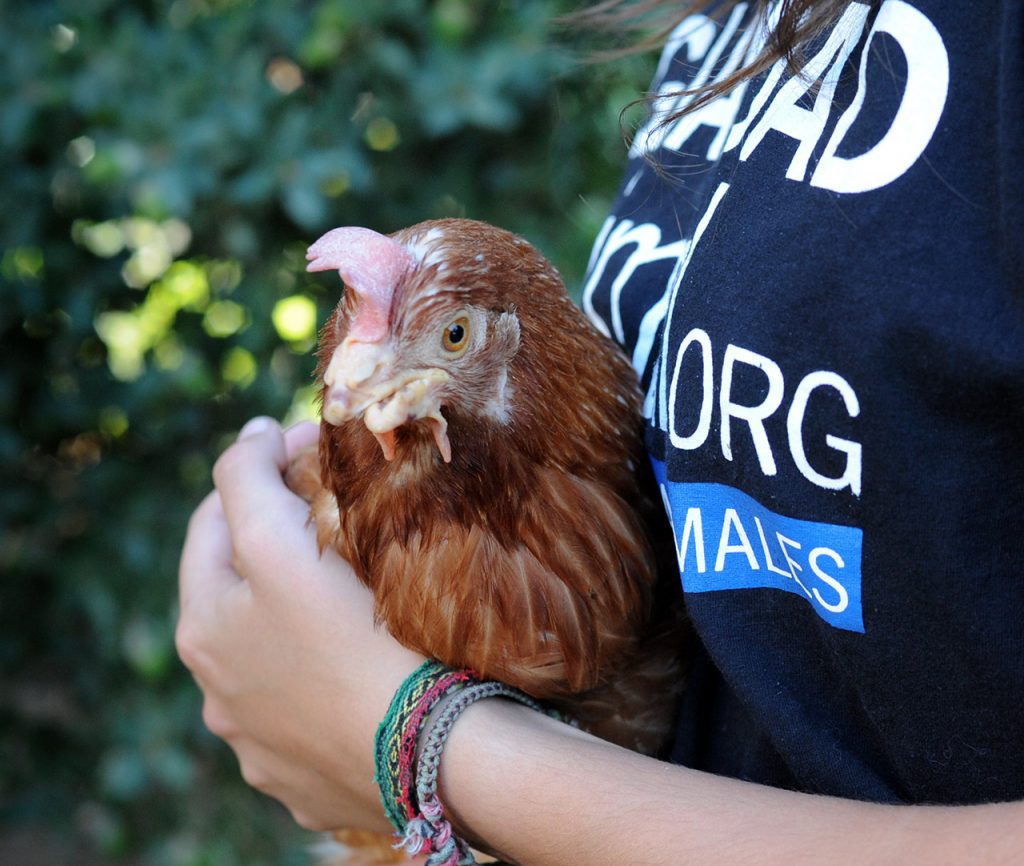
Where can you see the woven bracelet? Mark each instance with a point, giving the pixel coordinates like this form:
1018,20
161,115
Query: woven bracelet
397,735
430,830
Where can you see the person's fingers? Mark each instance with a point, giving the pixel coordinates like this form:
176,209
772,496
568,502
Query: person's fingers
205,578
300,436
248,476
305,791
205,566
266,521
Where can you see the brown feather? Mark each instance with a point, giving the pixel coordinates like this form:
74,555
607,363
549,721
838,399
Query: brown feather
303,474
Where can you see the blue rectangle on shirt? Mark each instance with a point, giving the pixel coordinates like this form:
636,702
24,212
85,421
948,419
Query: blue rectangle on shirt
726,540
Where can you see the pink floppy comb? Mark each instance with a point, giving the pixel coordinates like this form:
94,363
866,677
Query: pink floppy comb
371,265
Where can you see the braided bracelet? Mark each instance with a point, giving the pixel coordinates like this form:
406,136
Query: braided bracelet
430,829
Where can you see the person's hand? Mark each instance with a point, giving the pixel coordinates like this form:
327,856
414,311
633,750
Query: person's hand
281,639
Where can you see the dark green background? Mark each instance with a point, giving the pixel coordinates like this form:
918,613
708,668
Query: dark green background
163,166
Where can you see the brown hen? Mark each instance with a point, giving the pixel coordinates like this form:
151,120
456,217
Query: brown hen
481,466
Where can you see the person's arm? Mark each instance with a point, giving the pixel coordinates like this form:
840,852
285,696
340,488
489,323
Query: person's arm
296,678
545,794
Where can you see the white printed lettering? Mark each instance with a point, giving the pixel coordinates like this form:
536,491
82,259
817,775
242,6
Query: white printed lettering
802,107
674,281
700,434
732,521
719,114
785,115
924,97
785,544
739,130
828,576
794,425
753,415
844,597
692,527
646,241
767,554
674,95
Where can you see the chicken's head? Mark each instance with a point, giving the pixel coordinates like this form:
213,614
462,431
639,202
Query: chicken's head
420,331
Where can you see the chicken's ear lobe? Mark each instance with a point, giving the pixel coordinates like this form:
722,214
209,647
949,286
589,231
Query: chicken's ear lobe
371,265
505,338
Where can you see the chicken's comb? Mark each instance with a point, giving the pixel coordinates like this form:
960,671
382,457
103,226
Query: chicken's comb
371,265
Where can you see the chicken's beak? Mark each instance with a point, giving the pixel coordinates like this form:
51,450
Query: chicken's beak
361,381
353,377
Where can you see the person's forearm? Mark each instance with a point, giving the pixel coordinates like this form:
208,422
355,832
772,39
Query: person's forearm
546,795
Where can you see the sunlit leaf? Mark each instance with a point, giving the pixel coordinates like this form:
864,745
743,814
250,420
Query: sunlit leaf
336,185
223,275
126,343
113,421
294,319
239,367
186,284
81,150
169,353
224,318
22,263
382,134
284,75
102,239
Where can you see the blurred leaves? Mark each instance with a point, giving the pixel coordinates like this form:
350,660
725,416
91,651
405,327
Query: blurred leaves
165,165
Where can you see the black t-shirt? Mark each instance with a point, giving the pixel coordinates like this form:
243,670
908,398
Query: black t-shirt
819,278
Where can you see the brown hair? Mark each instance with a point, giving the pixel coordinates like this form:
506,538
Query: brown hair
800,21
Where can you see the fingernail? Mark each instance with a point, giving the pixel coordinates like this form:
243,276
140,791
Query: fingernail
259,424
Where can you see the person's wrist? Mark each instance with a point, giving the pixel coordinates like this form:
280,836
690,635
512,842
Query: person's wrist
378,688
489,765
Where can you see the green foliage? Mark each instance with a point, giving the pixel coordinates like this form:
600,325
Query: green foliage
165,165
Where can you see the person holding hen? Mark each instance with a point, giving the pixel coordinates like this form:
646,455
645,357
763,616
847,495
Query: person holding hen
818,282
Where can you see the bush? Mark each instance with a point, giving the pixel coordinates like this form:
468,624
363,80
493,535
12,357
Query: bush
167,164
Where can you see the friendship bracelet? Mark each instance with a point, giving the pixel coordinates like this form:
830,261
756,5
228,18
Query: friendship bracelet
444,685
410,799
430,830
397,735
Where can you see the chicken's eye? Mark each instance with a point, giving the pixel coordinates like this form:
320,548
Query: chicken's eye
456,335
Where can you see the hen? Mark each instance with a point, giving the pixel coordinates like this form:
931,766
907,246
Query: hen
481,466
